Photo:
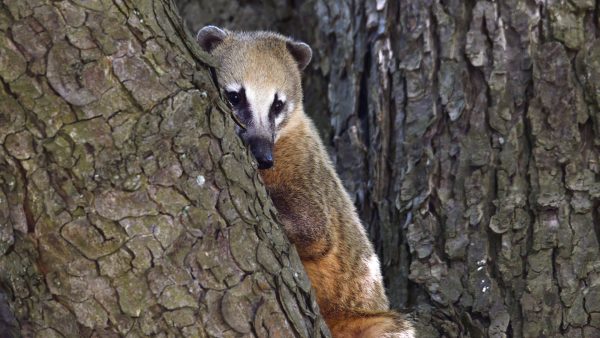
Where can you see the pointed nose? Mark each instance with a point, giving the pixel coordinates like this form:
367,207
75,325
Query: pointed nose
265,162
262,149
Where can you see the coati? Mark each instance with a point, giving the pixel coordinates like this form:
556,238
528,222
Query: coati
260,75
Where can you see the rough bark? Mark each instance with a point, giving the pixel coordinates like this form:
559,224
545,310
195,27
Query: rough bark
468,133
128,206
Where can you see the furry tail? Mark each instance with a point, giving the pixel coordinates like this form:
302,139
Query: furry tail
370,325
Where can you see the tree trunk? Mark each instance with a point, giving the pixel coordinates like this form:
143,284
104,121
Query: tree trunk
128,206
468,133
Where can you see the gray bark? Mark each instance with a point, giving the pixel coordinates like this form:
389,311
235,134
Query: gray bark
468,133
128,206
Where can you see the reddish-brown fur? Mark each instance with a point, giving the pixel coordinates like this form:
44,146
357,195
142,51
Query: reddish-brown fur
320,219
314,208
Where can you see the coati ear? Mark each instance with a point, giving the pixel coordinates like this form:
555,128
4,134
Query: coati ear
209,37
301,52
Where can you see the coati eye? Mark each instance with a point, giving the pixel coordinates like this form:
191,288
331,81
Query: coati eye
235,97
277,106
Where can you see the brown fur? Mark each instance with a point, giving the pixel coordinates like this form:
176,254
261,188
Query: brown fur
370,325
314,208
319,217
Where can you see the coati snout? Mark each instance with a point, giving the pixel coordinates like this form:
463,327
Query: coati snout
259,73
262,149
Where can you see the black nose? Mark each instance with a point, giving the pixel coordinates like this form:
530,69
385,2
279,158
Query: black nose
262,149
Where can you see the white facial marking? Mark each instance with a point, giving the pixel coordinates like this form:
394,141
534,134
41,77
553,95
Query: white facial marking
233,87
288,106
279,119
260,105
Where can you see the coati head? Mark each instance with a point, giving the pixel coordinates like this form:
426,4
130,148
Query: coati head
260,75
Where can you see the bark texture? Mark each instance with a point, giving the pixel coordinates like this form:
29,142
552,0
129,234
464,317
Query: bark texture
128,206
468,133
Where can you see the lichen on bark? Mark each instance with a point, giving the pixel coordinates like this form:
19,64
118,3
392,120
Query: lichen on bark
128,206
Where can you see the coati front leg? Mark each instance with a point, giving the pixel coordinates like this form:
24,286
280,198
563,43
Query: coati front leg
305,223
